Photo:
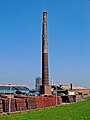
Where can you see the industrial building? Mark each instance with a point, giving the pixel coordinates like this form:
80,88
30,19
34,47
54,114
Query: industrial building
74,90
38,83
13,89
70,93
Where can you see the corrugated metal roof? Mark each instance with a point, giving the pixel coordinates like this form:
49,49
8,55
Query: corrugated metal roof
13,89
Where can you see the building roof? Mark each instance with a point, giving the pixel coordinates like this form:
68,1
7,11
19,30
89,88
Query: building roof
6,88
67,87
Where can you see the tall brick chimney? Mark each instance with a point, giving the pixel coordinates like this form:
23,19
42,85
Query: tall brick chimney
45,77
45,88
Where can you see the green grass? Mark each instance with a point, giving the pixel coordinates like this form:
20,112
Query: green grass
76,111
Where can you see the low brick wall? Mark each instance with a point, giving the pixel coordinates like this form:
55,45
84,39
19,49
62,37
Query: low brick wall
27,103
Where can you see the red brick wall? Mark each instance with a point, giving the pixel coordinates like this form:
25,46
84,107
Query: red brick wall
27,103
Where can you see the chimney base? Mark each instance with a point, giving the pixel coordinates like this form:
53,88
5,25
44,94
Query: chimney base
45,90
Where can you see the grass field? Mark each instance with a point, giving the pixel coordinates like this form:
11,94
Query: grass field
76,111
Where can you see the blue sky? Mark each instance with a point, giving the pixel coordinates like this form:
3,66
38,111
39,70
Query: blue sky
68,38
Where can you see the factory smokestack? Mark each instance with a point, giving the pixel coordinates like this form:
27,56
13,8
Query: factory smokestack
45,87
45,75
71,86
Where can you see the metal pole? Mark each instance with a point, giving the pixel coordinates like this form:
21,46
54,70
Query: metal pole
10,101
56,95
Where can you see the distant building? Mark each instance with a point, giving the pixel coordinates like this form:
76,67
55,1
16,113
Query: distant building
68,87
76,90
13,89
57,90
38,83
33,93
36,91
